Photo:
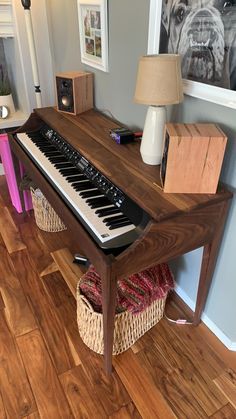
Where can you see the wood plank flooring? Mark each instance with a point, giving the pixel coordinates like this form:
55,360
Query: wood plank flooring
46,371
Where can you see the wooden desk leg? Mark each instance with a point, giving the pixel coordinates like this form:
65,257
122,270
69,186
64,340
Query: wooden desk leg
208,264
109,289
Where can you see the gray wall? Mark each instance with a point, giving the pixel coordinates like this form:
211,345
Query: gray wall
128,37
64,34
128,32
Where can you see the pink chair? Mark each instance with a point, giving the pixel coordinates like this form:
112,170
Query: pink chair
6,157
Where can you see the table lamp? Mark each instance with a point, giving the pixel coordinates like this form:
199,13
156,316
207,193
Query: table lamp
159,83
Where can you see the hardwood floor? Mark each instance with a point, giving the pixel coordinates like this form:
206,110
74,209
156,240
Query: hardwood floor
46,372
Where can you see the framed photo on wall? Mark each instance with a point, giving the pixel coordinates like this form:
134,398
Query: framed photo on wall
204,34
93,33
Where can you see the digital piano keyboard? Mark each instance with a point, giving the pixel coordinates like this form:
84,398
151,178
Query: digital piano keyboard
108,214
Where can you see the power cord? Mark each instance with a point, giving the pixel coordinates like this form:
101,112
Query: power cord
110,115
107,112
178,321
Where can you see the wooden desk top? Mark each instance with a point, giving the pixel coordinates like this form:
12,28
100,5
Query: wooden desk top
122,164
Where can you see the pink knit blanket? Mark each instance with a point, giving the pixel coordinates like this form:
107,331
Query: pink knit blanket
134,293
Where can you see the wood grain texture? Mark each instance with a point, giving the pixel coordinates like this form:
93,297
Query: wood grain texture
70,271
73,349
10,232
179,358
49,324
17,311
2,305
41,258
2,204
64,306
57,240
218,347
57,290
227,412
194,158
169,239
137,346
209,258
2,409
191,338
15,389
5,200
34,415
227,384
111,390
83,400
170,382
50,399
146,396
49,269
126,412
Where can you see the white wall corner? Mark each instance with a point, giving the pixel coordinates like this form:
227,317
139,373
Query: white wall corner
206,320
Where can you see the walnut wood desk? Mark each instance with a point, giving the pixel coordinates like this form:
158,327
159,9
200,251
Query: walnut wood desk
178,223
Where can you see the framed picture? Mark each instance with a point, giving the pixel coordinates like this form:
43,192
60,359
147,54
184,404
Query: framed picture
204,34
93,33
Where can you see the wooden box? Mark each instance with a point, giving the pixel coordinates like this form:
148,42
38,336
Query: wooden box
74,92
192,158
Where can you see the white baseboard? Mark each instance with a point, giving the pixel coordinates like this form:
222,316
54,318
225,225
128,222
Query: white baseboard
208,322
1,169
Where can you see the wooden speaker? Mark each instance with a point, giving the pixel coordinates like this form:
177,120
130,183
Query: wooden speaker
74,92
192,158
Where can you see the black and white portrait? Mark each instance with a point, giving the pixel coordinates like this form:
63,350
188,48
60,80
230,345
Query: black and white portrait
203,32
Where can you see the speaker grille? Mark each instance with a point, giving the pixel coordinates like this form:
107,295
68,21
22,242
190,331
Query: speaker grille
65,96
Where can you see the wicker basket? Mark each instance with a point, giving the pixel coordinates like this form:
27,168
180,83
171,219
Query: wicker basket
45,216
128,327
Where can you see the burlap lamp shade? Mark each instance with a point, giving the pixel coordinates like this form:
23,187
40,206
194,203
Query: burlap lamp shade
159,83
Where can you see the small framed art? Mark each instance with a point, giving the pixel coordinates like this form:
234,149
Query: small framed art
93,33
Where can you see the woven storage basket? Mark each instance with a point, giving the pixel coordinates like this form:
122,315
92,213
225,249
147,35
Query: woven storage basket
128,327
45,216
